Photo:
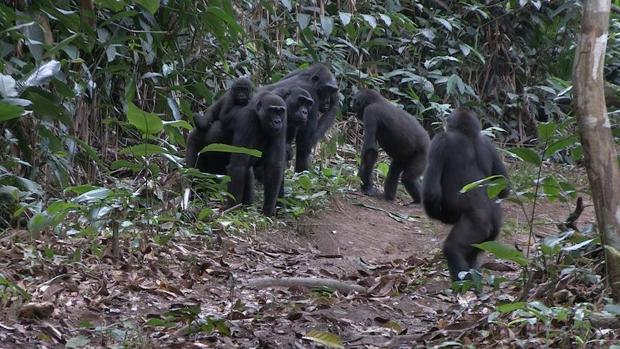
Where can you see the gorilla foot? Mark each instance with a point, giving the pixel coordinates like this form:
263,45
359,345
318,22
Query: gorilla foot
371,191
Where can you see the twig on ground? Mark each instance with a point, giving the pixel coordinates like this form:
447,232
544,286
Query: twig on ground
305,282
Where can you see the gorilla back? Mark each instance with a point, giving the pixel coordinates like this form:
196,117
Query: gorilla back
457,157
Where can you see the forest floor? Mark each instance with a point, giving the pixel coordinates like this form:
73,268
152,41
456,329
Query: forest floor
149,299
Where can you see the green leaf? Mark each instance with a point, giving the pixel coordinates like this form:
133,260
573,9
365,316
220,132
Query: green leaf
94,195
9,112
38,222
147,123
526,154
372,21
205,213
144,149
328,339
510,307
452,80
80,189
561,144
132,166
551,187
114,5
178,124
225,148
495,180
345,18
503,252
150,5
546,130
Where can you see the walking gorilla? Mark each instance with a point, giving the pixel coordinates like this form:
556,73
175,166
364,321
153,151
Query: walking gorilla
400,135
457,157
322,85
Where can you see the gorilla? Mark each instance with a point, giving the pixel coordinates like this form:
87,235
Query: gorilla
215,127
227,106
400,135
459,156
323,87
298,105
259,125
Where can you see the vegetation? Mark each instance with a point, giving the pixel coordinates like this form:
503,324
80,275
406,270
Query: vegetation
100,219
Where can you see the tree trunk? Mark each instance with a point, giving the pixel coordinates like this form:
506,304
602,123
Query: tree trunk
595,129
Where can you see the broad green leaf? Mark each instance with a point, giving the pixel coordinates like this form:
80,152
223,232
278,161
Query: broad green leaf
546,130
327,23
386,19
7,86
61,206
178,124
205,213
147,123
328,339
451,83
144,149
38,222
132,166
551,187
114,5
93,195
526,154
80,189
481,182
9,112
372,21
150,5
503,252
510,307
345,18
225,148
561,144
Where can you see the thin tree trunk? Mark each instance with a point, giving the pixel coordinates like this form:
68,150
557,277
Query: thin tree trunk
595,129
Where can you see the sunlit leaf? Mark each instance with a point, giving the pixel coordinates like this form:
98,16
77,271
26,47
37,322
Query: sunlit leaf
502,251
9,112
225,148
7,86
328,339
149,5
327,23
345,18
147,123
525,154
372,21
43,74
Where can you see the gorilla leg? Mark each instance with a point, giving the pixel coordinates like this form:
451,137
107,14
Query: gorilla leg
248,191
303,157
411,176
391,181
471,228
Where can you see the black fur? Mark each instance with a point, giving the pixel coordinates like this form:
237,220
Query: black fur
400,135
457,157
322,85
227,106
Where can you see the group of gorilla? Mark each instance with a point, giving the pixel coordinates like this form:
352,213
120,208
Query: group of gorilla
303,105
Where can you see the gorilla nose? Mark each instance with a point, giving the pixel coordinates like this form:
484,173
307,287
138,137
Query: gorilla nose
277,123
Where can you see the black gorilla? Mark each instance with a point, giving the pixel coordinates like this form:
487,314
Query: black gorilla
260,125
298,105
215,126
227,106
322,85
457,157
400,135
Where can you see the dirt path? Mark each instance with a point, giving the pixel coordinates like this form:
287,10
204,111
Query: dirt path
154,296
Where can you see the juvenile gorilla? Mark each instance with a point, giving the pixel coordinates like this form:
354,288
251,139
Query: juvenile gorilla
322,85
457,157
260,125
227,106
215,126
400,135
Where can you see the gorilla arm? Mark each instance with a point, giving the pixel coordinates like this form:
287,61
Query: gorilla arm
211,114
239,164
370,151
274,160
432,195
498,167
327,119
